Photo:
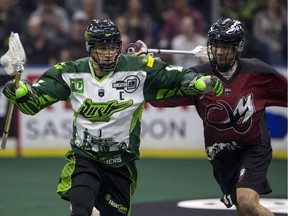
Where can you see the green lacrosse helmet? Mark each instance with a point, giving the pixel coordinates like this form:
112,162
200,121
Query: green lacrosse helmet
102,31
106,32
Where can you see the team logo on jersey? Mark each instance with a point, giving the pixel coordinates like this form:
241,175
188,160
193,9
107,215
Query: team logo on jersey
102,144
227,92
101,92
102,112
77,85
238,118
129,84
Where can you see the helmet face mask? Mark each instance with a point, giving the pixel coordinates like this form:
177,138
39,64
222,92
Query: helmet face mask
221,56
103,42
225,44
105,55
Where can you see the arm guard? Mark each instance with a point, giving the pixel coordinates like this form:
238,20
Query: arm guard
34,101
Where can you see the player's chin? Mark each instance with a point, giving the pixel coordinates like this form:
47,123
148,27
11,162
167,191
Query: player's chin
223,62
107,62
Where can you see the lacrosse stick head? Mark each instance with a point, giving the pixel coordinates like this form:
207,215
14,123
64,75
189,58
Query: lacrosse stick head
14,59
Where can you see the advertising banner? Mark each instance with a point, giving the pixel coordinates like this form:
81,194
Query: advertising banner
175,129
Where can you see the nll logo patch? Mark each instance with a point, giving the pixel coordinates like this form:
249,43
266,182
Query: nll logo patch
101,92
227,92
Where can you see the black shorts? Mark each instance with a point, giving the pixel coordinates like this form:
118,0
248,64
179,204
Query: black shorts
244,168
113,187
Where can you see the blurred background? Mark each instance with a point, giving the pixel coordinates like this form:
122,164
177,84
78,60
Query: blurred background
173,157
52,30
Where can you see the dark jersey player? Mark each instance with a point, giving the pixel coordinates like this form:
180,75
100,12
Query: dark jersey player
237,140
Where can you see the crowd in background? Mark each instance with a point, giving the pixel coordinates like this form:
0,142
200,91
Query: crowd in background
52,30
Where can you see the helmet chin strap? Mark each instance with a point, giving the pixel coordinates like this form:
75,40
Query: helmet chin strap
228,74
96,69
102,69
229,63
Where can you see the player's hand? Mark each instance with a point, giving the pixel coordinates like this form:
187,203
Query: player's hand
203,84
139,48
11,93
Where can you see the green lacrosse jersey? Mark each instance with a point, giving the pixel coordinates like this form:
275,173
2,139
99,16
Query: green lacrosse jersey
107,110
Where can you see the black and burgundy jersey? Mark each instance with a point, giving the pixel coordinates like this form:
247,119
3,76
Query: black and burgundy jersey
237,118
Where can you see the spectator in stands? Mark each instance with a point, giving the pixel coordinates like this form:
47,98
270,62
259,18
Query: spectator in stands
139,23
171,26
157,9
240,9
74,47
11,19
90,7
26,6
121,23
270,29
244,10
114,8
206,7
55,20
39,49
72,6
188,39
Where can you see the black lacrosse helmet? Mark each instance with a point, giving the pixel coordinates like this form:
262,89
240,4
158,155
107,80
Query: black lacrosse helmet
102,31
229,32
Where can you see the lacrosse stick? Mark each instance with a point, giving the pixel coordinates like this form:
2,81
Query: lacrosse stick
198,52
13,61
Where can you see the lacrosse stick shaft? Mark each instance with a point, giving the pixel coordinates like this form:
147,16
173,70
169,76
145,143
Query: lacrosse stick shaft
167,51
9,115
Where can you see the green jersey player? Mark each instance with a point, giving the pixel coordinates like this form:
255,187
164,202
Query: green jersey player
106,91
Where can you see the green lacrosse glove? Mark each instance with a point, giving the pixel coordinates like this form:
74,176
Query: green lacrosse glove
12,94
203,84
